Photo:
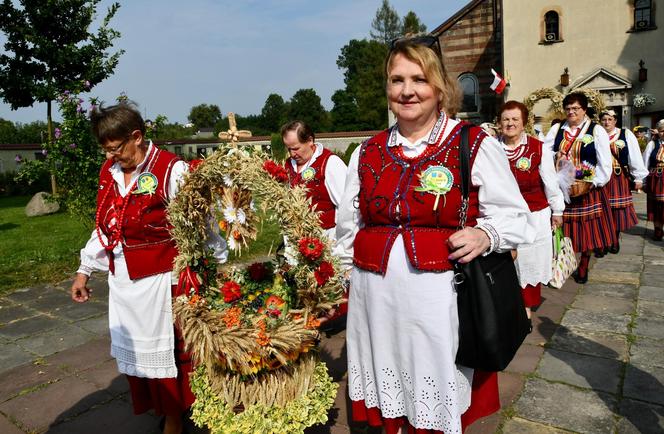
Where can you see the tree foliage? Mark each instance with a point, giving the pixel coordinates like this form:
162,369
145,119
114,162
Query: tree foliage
33,132
386,25
344,114
204,115
411,24
306,106
274,113
50,49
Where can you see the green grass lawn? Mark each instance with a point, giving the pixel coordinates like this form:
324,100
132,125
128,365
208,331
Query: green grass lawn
37,249
46,249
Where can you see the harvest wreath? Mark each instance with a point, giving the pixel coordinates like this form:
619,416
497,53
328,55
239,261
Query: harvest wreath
252,332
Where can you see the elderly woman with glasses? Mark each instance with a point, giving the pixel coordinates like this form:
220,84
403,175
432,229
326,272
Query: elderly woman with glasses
398,226
131,241
582,145
653,156
626,162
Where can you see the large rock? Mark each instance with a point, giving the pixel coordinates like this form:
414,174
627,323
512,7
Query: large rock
41,205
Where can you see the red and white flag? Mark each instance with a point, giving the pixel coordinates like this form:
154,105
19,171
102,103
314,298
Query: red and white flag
499,83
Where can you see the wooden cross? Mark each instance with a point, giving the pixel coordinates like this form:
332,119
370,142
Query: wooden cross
233,134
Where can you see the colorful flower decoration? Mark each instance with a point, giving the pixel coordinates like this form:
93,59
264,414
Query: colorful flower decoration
311,248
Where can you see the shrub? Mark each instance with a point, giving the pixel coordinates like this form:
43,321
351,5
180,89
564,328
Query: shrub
349,151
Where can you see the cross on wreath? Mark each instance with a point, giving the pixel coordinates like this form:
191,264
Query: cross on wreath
233,135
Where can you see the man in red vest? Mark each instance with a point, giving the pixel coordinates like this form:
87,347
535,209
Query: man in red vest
317,168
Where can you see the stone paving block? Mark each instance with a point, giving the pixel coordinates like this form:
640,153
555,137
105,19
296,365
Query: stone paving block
579,370
652,293
543,329
607,345
647,352
83,357
610,290
594,321
26,327
652,268
552,311
595,303
77,311
652,327
99,285
653,261
27,376
15,312
115,417
521,426
66,398
333,353
97,325
652,279
24,295
640,418
548,403
485,425
55,340
614,277
106,376
6,427
11,356
618,265
509,387
645,383
526,359
650,308
49,301
557,297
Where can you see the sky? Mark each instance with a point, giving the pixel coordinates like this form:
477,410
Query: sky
233,53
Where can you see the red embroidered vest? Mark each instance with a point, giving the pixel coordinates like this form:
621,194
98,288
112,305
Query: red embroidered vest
146,242
316,190
525,163
391,205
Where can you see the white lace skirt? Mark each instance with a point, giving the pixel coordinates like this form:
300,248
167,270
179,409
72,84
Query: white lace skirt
402,338
533,262
141,323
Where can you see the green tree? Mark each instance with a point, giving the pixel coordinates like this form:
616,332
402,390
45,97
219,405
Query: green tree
174,131
305,105
412,25
344,114
386,25
204,115
8,132
363,62
274,112
50,49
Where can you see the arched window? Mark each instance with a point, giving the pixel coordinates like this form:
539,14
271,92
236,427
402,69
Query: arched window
643,14
551,26
471,92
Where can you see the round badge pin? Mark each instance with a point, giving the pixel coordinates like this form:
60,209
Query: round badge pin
523,164
620,144
308,174
146,183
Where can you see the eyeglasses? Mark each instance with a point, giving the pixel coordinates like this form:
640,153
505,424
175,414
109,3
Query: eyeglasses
116,150
573,109
426,40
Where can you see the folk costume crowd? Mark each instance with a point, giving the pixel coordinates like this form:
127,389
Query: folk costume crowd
394,218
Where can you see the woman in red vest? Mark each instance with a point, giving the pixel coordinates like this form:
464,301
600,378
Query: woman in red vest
533,170
653,156
131,241
398,225
627,160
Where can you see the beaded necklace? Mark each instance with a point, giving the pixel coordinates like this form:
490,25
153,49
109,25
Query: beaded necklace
431,147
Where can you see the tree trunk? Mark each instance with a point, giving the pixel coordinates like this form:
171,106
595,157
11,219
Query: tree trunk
49,128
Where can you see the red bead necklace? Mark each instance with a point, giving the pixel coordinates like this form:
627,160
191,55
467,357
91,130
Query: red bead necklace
428,151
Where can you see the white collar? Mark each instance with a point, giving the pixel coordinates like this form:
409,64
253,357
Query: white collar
317,153
522,141
395,138
115,169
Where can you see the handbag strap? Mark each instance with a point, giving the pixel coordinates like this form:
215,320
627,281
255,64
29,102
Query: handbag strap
464,160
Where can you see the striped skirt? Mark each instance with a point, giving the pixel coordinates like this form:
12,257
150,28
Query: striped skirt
655,190
588,221
620,200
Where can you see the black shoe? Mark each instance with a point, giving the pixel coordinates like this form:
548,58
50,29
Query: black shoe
614,249
599,253
580,278
659,234
530,325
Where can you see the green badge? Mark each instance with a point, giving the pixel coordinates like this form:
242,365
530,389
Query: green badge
436,180
523,164
308,174
588,138
620,144
146,184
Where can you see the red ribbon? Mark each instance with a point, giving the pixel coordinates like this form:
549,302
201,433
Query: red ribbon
188,280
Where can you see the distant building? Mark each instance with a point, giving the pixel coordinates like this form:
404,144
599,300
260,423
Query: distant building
608,46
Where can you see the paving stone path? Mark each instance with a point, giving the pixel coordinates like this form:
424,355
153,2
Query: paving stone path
593,364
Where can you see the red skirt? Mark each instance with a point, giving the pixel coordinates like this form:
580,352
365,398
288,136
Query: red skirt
167,396
588,221
484,400
655,202
620,200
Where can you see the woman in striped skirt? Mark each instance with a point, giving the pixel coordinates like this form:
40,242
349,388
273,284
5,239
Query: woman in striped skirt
626,161
587,219
653,157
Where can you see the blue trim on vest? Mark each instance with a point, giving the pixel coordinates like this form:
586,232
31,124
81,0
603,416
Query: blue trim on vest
652,161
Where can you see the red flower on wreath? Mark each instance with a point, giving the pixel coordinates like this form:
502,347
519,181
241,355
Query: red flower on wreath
324,273
231,291
311,248
257,271
275,170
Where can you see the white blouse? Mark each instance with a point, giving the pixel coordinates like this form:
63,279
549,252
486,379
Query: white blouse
636,166
502,210
646,153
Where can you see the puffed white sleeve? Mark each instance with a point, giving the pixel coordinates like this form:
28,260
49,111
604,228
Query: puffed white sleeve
551,137
349,219
550,180
636,165
646,153
93,256
335,178
503,213
604,167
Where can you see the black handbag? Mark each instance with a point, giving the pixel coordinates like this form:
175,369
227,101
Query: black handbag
492,316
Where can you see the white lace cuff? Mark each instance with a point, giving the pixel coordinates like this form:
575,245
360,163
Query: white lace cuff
494,238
